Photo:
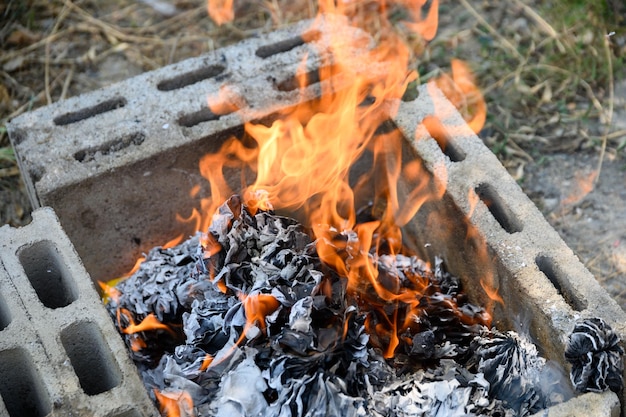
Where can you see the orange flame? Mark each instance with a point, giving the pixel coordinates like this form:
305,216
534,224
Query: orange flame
225,102
491,292
173,242
109,292
460,88
303,161
175,403
221,11
134,269
427,27
137,344
584,184
257,307
208,360
150,322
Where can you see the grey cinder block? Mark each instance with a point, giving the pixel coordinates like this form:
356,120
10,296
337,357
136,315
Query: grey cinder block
60,354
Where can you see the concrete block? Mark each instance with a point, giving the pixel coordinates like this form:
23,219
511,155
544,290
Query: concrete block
544,286
105,157
60,354
590,404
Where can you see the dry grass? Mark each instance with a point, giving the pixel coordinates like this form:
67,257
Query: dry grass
548,78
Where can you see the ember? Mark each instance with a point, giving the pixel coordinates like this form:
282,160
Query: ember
264,327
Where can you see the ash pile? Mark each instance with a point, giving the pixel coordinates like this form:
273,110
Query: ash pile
246,320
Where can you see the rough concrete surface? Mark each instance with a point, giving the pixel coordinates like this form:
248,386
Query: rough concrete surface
60,354
99,178
605,404
589,213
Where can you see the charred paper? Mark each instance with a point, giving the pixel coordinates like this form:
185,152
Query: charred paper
255,324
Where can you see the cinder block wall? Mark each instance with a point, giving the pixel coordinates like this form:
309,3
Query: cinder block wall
60,354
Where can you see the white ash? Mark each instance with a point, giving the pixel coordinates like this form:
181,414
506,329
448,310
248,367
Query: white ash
311,354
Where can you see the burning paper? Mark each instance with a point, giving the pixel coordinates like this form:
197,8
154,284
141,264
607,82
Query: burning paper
252,322
328,315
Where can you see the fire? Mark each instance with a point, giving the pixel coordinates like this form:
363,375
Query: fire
303,159
290,157
460,88
426,27
175,404
150,322
221,11
492,293
257,307
208,360
583,185
109,291
302,162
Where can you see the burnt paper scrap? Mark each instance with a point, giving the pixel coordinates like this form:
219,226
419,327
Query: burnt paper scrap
596,357
250,322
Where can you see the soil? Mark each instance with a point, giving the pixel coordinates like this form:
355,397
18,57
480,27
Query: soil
588,211
593,224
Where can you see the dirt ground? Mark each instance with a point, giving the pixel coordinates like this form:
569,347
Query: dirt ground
593,224
589,211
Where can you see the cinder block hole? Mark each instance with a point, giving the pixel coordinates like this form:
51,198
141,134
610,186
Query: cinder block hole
128,413
48,274
447,145
86,113
267,51
110,147
21,388
550,269
5,314
498,208
92,360
200,116
36,172
191,77
386,127
17,136
311,77
411,93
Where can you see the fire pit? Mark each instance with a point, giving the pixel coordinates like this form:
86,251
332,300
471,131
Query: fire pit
117,194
